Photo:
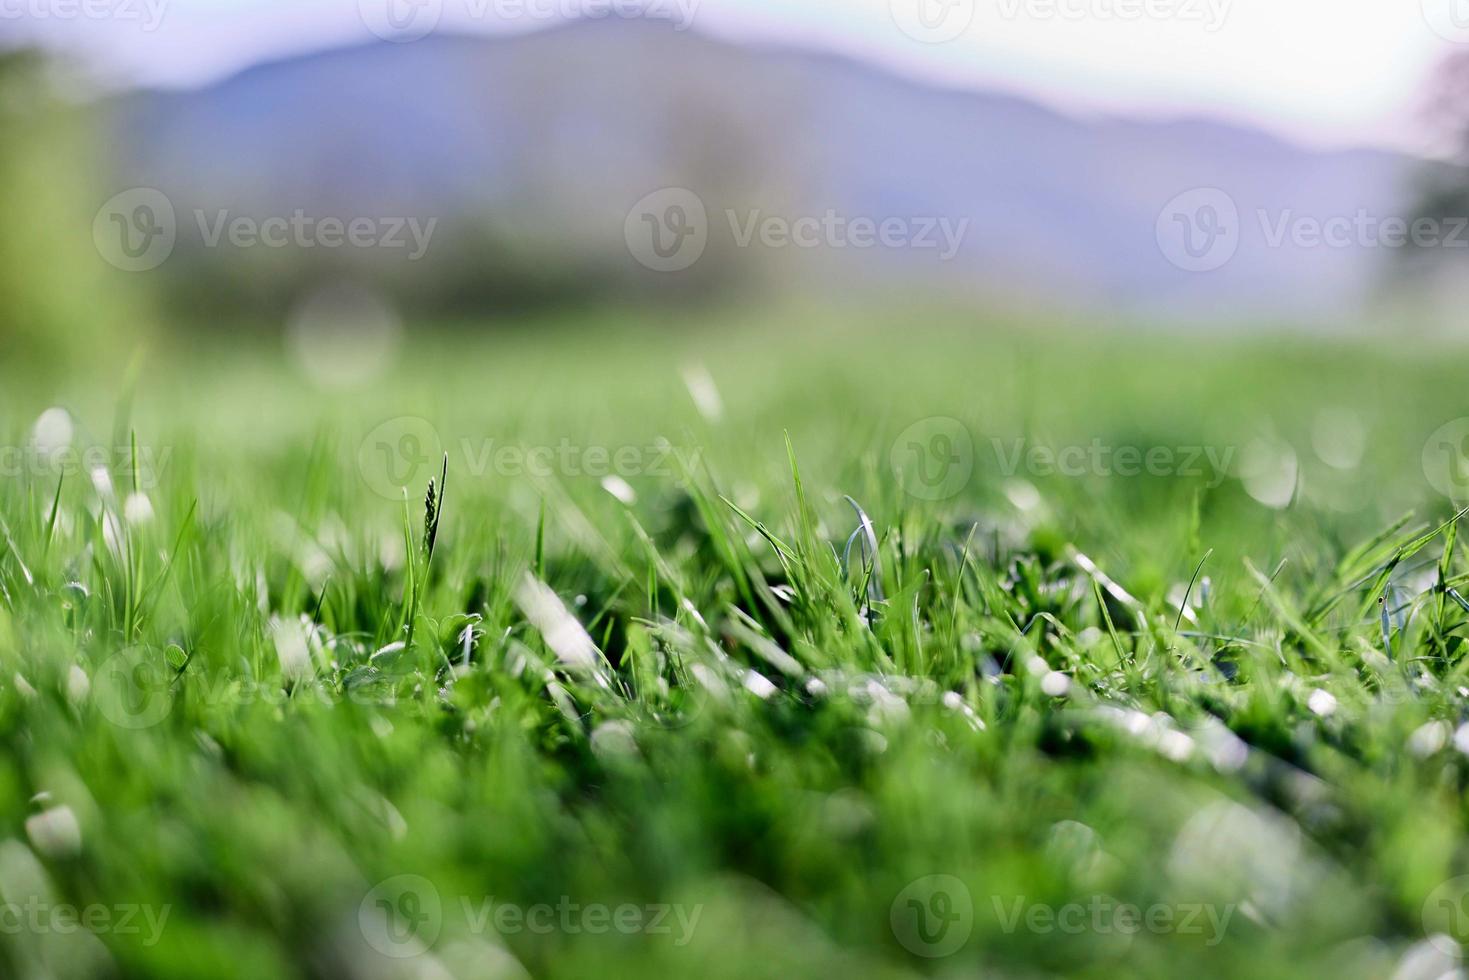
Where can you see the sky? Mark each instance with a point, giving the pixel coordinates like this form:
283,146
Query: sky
1323,72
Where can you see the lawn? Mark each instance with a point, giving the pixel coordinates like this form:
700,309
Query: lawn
885,644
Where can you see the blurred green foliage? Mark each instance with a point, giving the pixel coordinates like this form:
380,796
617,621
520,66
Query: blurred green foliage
58,299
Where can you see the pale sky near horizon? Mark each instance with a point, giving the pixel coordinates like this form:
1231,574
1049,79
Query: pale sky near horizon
1324,72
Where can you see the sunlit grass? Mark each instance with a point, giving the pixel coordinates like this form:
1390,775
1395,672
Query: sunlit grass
733,630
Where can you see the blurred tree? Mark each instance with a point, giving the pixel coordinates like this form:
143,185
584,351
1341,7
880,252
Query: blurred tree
1442,190
58,299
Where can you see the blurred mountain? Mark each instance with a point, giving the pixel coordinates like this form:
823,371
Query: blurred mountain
530,150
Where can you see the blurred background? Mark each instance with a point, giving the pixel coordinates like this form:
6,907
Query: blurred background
324,171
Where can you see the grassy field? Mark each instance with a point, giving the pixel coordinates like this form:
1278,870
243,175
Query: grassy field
751,647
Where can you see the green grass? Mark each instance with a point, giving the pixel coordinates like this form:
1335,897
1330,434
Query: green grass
698,698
